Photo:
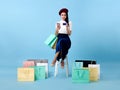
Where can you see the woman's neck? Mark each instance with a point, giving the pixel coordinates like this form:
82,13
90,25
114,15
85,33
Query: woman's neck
62,20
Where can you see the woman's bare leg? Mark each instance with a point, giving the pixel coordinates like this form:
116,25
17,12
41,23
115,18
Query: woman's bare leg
62,63
55,58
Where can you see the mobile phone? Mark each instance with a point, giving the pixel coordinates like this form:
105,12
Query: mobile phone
58,24
64,23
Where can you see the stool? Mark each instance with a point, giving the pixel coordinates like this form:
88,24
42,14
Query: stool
65,65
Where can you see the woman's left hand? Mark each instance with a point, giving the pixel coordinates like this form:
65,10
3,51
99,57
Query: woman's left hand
67,25
68,30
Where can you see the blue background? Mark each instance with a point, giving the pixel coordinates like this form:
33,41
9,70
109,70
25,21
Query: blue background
25,25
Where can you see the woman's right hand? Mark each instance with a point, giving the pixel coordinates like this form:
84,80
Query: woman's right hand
58,26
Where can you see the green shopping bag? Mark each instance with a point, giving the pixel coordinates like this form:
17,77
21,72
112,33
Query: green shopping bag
80,75
39,72
51,40
77,65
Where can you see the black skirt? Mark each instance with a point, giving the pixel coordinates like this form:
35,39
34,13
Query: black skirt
63,45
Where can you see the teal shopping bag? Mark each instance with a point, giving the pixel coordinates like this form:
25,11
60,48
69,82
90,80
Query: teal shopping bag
80,75
77,65
51,40
39,72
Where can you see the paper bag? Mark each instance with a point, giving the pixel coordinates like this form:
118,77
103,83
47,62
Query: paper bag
28,63
46,67
94,72
51,40
25,74
86,62
39,72
77,65
80,75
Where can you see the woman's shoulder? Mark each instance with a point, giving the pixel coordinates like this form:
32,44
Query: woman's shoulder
70,22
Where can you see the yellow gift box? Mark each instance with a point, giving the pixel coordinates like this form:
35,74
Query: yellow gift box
25,74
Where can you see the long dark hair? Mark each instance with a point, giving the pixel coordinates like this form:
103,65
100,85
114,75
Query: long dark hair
66,11
67,19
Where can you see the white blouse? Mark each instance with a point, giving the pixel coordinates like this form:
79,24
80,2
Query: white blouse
63,26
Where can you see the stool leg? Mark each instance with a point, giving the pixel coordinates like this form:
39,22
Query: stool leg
56,68
67,71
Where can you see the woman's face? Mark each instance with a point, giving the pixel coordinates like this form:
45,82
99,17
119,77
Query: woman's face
63,15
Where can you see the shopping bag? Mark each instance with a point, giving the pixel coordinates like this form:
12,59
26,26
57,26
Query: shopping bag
54,45
38,61
41,61
25,74
77,65
80,75
51,40
86,62
39,72
94,72
31,60
28,63
46,68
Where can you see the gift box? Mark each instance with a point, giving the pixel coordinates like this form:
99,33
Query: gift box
80,75
25,74
86,62
28,63
94,72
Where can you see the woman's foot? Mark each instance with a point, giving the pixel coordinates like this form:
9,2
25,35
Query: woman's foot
62,64
53,63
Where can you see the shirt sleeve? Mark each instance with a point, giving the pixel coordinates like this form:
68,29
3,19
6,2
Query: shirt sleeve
70,25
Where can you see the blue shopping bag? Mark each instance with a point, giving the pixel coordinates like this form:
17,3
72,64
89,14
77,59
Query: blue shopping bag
51,41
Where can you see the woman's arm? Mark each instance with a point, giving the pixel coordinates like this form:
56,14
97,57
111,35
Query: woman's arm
68,28
57,29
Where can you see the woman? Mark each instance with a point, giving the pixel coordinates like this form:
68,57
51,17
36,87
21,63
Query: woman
63,30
